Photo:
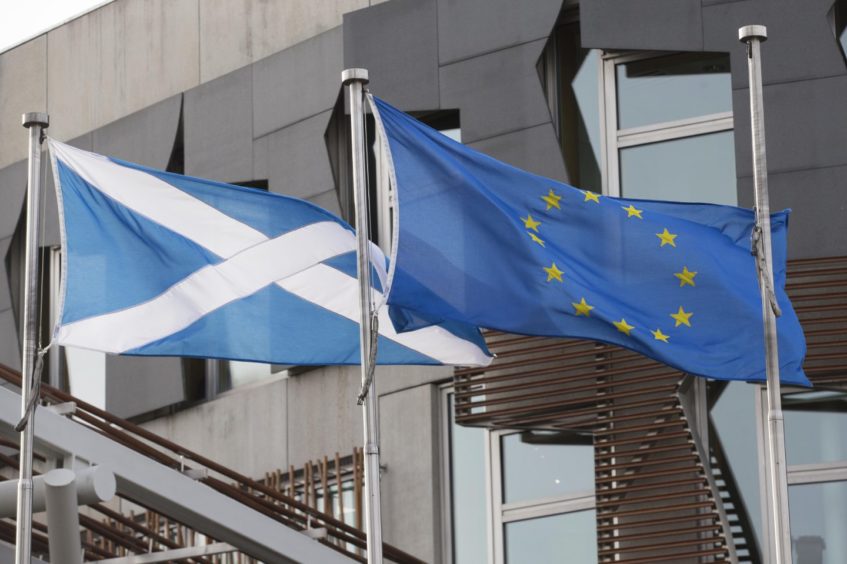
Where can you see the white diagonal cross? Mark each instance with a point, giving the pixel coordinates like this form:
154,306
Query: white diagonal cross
251,262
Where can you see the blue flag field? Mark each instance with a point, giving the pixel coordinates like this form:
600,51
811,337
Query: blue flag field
162,264
484,243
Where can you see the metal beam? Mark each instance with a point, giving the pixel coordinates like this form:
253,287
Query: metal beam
176,554
169,492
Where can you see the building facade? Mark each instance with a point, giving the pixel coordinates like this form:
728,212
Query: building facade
562,451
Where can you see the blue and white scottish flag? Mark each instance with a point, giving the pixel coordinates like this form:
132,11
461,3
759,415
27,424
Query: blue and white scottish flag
485,243
167,265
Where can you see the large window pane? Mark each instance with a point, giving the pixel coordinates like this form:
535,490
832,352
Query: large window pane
468,471
815,427
818,517
671,88
568,538
733,420
693,169
537,470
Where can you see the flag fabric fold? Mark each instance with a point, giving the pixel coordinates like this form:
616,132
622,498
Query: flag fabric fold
162,264
479,241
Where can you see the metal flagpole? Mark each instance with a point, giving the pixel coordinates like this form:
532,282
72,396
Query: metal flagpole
36,123
753,35
354,80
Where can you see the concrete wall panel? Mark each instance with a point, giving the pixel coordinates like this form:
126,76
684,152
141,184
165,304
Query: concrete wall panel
786,53
235,33
535,150
323,415
119,59
473,27
818,200
398,43
145,137
673,25
12,194
218,122
10,347
297,83
804,125
409,449
244,429
327,200
496,93
23,88
137,384
298,163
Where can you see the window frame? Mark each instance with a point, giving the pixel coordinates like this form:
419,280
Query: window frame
613,139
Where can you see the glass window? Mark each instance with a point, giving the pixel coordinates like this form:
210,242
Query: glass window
690,169
818,517
839,21
671,88
467,490
815,427
536,469
566,538
734,445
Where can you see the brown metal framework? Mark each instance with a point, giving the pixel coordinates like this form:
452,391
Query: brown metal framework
660,495
113,534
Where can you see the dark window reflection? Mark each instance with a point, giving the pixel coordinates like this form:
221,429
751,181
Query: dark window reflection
570,75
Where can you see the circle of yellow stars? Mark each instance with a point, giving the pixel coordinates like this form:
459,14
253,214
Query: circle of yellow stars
582,308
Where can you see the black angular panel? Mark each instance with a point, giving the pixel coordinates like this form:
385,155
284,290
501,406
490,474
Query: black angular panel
496,93
473,27
673,25
397,42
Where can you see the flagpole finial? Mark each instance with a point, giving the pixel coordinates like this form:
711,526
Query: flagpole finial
351,75
35,118
748,32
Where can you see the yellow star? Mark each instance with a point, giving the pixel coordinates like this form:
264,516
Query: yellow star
685,277
681,317
530,223
553,272
582,308
659,336
623,326
631,211
536,238
591,196
667,238
552,200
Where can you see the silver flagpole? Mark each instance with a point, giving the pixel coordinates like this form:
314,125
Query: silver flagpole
753,35
36,123
354,80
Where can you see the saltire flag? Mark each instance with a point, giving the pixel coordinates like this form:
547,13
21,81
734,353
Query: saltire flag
478,241
162,264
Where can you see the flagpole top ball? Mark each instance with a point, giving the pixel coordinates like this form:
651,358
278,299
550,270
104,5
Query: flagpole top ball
748,32
354,75
35,118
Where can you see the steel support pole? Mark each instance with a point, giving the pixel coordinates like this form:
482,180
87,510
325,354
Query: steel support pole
36,123
780,548
354,80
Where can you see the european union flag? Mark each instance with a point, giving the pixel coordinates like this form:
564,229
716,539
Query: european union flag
481,242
